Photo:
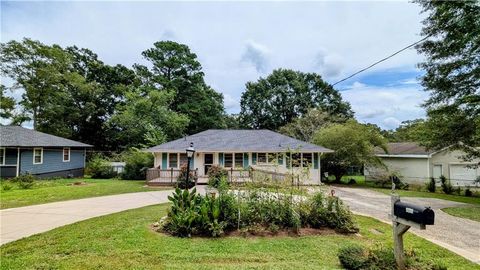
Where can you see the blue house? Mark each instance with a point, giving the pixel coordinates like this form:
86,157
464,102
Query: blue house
26,151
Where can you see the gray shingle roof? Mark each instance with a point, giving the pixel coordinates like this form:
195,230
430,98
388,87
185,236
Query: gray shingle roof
229,140
404,148
16,136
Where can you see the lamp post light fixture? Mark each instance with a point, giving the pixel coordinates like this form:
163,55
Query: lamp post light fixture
190,152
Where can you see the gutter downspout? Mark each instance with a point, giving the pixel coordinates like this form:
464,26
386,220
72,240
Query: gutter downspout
18,162
320,167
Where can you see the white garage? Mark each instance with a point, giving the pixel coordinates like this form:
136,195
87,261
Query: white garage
462,175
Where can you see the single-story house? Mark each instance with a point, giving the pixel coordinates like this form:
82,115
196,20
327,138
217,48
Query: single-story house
26,151
416,164
240,150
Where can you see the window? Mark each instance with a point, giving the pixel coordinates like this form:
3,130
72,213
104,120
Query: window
2,156
228,157
296,158
261,158
307,160
183,159
37,155
271,157
238,160
173,160
66,154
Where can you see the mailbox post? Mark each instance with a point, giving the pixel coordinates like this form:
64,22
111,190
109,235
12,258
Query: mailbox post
404,216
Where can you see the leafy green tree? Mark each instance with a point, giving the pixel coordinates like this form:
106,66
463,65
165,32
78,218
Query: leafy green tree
452,73
304,127
145,119
175,68
410,131
7,104
284,95
353,144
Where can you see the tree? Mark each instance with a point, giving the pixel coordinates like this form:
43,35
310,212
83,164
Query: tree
7,104
410,131
176,69
452,73
145,119
284,95
353,144
304,127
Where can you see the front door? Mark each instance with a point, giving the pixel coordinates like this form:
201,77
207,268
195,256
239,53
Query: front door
208,162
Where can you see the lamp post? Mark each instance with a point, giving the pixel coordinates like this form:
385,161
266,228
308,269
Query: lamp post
190,151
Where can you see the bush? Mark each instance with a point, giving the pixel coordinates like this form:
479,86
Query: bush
446,186
25,181
353,257
352,181
431,187
136,164
468,192
6,186
215,175
182,178
99,167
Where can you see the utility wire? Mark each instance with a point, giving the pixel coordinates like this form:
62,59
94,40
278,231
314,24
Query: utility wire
382,60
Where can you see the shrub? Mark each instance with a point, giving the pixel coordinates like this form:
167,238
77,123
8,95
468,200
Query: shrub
25,181
6,186
215,175
136,164
352,181
468,192
99,167
353,257
431,187
446,186
182,178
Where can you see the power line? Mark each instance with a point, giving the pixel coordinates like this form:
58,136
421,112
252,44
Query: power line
382,60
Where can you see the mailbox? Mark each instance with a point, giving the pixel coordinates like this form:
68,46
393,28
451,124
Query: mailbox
418,214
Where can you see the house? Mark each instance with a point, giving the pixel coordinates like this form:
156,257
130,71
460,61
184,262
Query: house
416,164
25,151
239,150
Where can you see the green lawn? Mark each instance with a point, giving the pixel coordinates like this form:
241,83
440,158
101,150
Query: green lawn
125,241
46,191
472,213
412,193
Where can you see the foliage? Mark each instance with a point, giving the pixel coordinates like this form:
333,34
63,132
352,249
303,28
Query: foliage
446,185
353,257
254,210
216,174
136,164
6,186
410,131
24,181
353,144
304,127
452,74
431,185
146,119
182,178
176,69
285,95
468,192
99,167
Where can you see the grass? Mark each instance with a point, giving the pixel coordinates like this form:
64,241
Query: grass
45,191
451,197
472,213
125,241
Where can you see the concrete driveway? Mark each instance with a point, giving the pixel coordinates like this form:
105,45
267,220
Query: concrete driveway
16,223
459,235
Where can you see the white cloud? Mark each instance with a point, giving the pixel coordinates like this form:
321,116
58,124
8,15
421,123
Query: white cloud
385,106
256,54
351,35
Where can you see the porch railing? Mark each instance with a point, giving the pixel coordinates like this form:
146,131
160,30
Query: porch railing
165,176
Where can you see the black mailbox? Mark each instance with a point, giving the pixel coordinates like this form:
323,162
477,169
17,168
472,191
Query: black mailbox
418,214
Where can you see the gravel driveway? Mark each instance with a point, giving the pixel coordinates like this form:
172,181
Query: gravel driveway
459,235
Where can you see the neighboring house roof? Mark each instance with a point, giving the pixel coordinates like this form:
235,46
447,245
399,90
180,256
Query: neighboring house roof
404,149
229,140
16,136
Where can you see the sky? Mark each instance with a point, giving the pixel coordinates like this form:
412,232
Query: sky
237,42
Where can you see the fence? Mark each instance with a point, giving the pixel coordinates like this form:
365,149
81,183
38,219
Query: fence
165,176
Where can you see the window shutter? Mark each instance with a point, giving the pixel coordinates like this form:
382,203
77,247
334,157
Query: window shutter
164,160
254,158
220,159
192,164
245,160
280,158
315,160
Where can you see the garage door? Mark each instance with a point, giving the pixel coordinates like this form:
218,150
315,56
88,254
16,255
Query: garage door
461,175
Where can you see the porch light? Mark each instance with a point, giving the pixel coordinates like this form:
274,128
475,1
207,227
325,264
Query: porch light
190,150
